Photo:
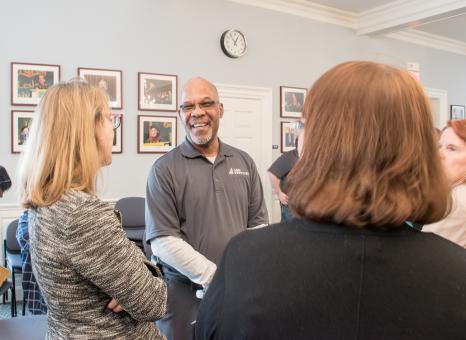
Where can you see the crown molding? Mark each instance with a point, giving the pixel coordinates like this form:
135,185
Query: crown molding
406,14
306,9
430,40
387,19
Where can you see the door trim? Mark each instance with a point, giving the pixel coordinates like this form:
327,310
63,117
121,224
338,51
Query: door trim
442,96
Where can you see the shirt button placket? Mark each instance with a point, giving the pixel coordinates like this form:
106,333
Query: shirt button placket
218,185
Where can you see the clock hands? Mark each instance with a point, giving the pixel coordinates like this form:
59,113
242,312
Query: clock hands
235,40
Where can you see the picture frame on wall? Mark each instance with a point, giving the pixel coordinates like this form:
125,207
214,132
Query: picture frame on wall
457,112
29,82
21,122
291,101
108,80
289,131
156,134
157,92
117,146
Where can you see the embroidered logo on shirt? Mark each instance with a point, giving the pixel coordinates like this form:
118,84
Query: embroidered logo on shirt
238,172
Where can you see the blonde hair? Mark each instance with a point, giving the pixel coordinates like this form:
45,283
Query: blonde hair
62,151
369,154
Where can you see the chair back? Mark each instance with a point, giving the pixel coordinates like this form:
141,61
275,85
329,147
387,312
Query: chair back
11,243
133,211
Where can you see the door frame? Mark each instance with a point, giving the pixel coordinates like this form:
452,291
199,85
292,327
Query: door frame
442,96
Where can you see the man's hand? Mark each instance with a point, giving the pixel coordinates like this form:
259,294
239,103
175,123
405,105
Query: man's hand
114,306
283,198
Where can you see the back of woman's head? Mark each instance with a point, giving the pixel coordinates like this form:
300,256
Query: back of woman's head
369,157
62,152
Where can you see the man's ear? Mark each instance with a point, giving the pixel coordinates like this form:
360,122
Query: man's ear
221,109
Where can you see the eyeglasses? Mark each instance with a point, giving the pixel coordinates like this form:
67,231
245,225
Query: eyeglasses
116,120
204,105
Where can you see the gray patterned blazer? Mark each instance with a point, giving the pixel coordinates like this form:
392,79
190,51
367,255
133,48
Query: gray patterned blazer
82,258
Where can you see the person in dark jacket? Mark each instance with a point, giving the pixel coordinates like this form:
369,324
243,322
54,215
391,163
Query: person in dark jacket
350,267
31,291
5,181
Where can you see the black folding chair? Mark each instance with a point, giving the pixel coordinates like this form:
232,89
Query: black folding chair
132,211
12,256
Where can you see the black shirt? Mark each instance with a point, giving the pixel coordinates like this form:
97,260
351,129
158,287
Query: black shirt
283,165
308,280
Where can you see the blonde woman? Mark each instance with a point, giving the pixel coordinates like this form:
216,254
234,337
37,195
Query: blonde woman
96,283
452,147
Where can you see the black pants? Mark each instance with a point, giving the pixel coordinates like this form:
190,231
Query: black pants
182,306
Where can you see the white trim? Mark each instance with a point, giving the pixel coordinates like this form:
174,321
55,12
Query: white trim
406,13
306,9
264,95
442,96
430,40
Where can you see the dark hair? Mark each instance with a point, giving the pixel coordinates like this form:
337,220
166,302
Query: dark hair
369,155
5,181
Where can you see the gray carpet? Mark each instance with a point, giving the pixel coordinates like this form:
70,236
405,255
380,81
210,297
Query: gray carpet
5,309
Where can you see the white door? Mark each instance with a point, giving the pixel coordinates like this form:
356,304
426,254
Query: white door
247,125
438,104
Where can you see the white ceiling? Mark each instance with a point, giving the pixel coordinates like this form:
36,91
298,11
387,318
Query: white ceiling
449,27
453,28
439,24
355,6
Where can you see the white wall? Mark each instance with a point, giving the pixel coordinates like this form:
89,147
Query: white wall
182,37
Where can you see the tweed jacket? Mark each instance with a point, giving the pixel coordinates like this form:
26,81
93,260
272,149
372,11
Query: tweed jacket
82,258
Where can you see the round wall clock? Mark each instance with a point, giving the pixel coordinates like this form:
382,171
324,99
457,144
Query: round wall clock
233,43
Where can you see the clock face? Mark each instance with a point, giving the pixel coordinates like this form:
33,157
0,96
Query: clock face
233,43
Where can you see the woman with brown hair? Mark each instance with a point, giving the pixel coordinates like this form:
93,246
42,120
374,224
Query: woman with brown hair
452,147
349,266
97,284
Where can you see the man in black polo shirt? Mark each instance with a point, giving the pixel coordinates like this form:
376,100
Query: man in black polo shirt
278,172
199,196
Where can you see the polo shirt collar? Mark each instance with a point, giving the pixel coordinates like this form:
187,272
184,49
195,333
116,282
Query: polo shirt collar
188,150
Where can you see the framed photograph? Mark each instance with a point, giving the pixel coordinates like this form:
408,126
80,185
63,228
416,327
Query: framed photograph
457,112
29,82
289,132
21,122
291,101
157,92
156,134
117,146
108,80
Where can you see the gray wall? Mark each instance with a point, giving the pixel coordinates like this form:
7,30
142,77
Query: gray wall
182,37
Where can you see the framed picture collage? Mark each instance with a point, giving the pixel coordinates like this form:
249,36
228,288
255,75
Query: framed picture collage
291,107
156,132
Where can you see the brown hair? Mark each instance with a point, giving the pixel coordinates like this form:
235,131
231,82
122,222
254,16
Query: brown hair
62,151
459,127
369,154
